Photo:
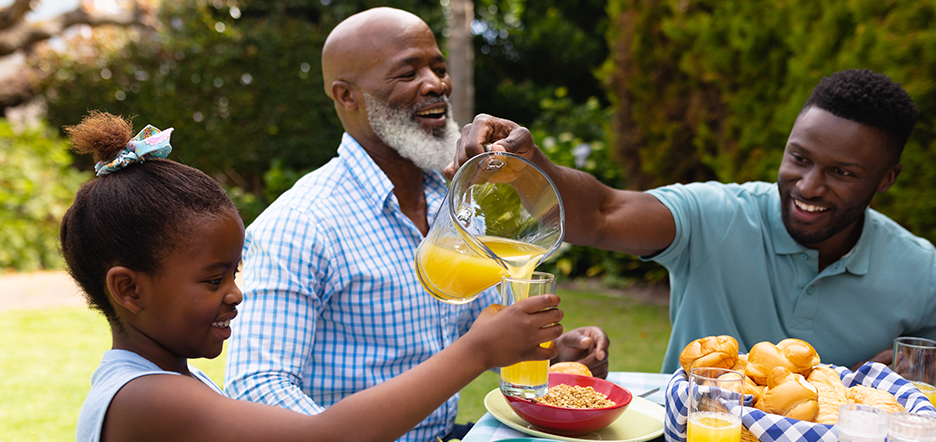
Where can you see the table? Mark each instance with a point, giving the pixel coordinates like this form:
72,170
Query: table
489,429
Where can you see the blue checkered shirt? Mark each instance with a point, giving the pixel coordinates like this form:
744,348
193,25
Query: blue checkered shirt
332,304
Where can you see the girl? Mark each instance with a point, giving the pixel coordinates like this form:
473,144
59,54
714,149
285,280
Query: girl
155,246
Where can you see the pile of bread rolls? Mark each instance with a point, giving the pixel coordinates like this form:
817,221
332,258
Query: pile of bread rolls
785,379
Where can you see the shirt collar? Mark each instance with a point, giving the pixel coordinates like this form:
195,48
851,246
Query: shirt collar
856,261
859,259
370,176
784,244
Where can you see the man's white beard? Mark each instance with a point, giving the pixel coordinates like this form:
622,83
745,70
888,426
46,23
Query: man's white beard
399,129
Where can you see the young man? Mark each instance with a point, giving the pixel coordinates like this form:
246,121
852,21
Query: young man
332,304
805,257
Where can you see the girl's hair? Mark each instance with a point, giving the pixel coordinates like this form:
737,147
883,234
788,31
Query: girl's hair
132,217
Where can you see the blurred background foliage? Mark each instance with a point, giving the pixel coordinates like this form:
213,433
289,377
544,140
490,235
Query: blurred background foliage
710,89
639,93
37,185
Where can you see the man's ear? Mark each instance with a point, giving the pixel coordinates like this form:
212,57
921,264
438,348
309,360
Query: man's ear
889,177
123,285
345,95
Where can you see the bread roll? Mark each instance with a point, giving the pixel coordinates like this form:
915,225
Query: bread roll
801,355
859,394
795,355
711,351
571,368
790,395
762,358
740,364
831,393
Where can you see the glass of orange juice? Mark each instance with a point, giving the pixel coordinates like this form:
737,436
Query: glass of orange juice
915,360
716,399
527,379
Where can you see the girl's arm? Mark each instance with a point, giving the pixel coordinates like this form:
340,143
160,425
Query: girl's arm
180,408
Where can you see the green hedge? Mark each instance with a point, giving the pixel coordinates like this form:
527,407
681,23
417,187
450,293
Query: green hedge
240,82
37,185
710,89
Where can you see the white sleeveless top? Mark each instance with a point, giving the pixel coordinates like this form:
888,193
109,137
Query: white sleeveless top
117,368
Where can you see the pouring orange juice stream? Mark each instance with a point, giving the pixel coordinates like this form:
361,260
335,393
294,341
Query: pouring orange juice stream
461,274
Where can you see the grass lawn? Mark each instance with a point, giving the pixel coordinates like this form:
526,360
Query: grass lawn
48,357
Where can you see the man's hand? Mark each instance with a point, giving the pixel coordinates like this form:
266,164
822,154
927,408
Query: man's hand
885,357
587,345
505,135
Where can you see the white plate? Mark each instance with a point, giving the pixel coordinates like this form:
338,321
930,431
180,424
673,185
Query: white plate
643,420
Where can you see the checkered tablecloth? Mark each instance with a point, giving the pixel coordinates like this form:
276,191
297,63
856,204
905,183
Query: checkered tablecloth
489,429
773,428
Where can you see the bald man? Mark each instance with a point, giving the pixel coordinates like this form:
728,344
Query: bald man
332,303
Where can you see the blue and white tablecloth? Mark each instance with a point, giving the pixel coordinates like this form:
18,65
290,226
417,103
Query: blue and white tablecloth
774,428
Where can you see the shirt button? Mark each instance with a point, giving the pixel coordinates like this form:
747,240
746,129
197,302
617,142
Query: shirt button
810,290
804,256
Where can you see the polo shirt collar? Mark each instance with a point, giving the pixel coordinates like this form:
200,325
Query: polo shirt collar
859,260
856,262
784,244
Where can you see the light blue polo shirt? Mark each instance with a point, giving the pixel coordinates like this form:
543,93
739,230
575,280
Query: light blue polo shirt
734,270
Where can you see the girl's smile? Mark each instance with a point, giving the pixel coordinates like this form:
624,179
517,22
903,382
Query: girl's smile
189,303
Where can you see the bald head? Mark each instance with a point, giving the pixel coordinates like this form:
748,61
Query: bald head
359,43
387,77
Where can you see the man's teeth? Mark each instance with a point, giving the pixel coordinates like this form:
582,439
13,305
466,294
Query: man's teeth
430,112
809,207
222,324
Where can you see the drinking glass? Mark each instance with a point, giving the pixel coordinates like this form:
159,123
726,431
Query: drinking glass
713,394
862,423
527,379
909,427
501,216
915,360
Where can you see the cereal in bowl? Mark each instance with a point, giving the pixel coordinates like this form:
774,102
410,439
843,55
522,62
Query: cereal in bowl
576,396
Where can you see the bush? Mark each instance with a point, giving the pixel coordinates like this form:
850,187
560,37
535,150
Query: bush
573,135
240,81
37,185
708,89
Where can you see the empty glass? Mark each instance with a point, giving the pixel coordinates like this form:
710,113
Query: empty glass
862,423
909,427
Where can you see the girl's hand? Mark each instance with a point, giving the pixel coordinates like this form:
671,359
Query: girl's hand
506,335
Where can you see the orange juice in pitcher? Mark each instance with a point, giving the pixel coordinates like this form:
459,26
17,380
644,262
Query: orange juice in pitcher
459,274
501,216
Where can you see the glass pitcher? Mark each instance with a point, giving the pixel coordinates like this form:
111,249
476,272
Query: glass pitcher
502,216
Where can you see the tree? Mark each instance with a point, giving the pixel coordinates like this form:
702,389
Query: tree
526,50
240,81
17,34
461,59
